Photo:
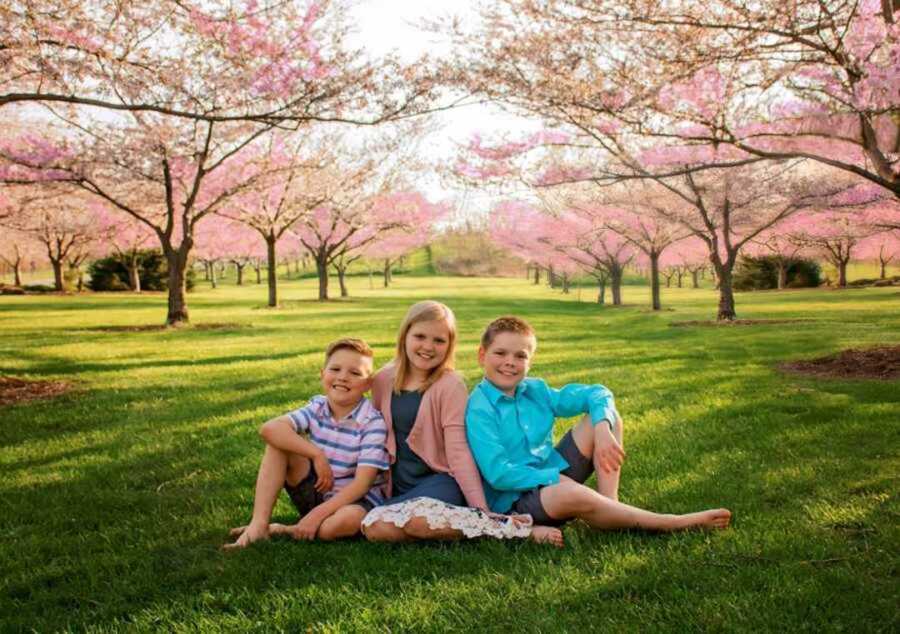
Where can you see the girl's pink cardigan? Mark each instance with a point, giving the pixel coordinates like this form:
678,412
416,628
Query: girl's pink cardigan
438,435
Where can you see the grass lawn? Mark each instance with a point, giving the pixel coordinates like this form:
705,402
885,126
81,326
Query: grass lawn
115,498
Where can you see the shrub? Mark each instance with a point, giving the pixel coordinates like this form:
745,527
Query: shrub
752,274
109,274
39,288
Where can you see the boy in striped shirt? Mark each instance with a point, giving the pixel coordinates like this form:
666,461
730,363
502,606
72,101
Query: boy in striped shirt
329,456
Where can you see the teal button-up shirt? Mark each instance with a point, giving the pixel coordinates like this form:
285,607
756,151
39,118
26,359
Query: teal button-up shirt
511,437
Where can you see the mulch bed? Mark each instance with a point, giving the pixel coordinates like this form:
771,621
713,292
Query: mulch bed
163,327
738,322
13,390
882,362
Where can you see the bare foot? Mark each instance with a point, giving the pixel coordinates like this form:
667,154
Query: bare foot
705,520
237,531
251,533
547,535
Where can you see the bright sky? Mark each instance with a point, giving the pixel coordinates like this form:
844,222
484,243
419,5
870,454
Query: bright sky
386,25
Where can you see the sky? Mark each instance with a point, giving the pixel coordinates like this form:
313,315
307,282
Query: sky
390,25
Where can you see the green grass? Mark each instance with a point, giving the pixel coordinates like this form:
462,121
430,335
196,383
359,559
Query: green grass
115,498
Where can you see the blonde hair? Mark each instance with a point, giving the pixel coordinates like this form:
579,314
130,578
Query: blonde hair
424,311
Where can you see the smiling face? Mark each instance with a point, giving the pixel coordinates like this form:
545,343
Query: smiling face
345,378
427,343
507,359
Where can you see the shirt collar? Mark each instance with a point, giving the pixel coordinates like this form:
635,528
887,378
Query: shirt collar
494,394
353,415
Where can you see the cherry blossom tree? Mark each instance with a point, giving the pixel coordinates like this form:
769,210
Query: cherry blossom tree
733,79
195,88
60,219
835,235
293,180
522,229
782,245
17,248
806,80
884,247
690,256
351,222
285,63
390,246
633,214
598,251
126,237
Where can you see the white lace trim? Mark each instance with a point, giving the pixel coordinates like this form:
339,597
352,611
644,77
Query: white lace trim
472,522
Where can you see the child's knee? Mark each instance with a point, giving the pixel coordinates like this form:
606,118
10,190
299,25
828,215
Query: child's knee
339,526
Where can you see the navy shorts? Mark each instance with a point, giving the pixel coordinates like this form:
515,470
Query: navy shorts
580,469
305,497
439,486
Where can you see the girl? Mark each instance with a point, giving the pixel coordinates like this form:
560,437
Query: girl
423,402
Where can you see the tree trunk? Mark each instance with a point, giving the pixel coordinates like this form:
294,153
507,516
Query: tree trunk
565,283
387,272
272,271
240,273
177,262
882,275
537,275
212,278
206,271
17,272
842,272
782,274
551,278
258,268
57,274
694,281
322,270
134,273
726,294
341,271
616,275
654,281
679,274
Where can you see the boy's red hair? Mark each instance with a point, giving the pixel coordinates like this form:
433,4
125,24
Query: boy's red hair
507,323
349,343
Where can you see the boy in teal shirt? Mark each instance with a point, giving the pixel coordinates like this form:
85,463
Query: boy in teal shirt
509,424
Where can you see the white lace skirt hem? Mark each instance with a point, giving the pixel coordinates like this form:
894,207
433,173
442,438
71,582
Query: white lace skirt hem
472,522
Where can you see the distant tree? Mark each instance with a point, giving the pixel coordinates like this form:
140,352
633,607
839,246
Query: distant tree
60,219
17,248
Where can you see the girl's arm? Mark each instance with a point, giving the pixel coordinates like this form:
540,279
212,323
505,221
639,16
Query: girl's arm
459,456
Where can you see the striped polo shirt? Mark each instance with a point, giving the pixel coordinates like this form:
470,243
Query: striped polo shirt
357,439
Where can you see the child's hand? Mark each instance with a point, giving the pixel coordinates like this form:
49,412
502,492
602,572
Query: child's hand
517,520
325,479
607,450
306,528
